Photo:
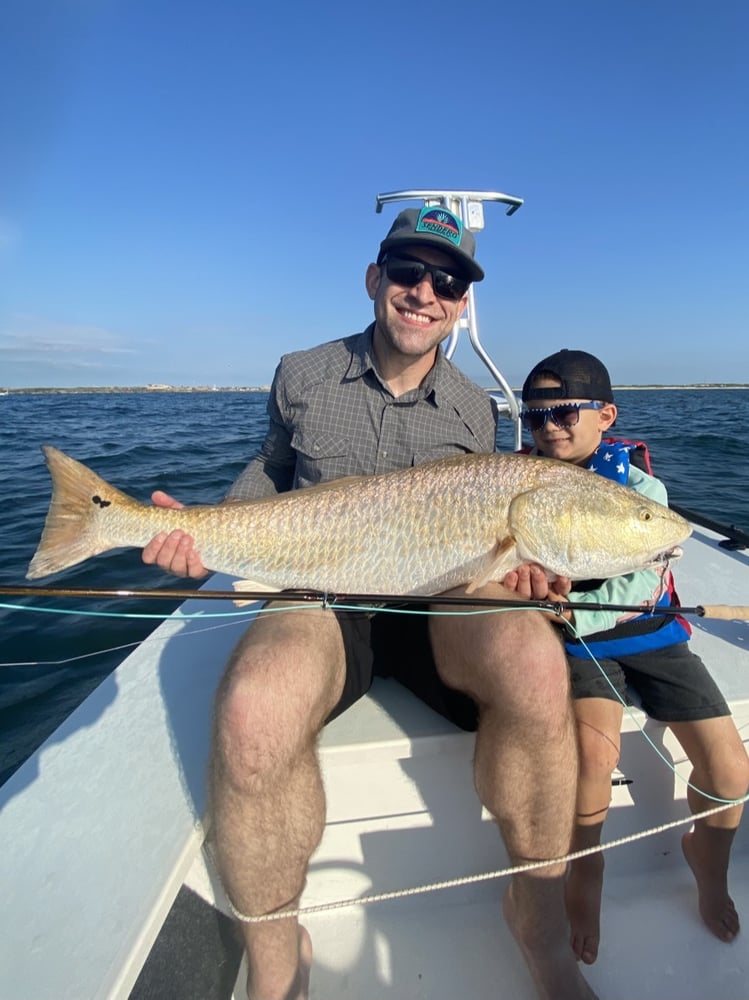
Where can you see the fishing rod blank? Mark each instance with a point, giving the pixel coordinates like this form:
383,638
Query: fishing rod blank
726,612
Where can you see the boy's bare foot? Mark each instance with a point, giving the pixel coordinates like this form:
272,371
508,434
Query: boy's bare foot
552,965
707,856
299,987
583,898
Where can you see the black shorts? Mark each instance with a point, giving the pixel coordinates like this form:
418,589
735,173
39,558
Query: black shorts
672,684
396,644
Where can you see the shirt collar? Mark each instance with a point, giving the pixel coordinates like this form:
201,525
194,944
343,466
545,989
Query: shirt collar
362,355
363,361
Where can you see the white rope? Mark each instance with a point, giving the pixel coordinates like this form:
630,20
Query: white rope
382,897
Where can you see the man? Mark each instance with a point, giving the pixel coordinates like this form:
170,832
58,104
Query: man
378,401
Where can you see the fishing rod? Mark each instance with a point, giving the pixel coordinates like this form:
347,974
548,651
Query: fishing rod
727,612
734,538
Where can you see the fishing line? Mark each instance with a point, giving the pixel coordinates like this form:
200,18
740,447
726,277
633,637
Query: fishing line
350,602
138,614
630,712
177,615
309,606
722,611
152,638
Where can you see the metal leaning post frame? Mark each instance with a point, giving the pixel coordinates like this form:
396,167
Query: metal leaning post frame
469,206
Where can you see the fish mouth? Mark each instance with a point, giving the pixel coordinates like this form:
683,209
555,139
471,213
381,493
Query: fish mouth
664,558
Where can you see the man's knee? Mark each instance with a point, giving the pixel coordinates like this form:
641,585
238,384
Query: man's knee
272,703
253,738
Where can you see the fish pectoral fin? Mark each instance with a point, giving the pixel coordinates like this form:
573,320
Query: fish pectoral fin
502,560
251,585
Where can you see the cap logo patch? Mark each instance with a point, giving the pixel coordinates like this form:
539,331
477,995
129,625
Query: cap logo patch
440,222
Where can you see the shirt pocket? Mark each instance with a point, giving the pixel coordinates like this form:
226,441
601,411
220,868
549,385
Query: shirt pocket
320,456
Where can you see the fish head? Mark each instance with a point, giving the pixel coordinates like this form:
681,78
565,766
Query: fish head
586,527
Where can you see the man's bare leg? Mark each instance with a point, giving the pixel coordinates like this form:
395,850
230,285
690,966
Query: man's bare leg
721,769
598,726
267,797
525,769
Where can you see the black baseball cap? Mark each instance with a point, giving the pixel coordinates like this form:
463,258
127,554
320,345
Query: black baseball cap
437,227
582,376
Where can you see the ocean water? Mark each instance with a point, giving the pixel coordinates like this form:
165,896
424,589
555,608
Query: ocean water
193,445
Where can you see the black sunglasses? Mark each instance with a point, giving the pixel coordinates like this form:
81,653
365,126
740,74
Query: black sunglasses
563,415
410,271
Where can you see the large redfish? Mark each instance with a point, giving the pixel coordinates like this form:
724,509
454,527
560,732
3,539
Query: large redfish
461,520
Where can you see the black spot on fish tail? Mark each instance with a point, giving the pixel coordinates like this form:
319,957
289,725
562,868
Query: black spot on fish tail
70,532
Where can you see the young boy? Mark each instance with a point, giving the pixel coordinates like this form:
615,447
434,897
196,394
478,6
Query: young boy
568,405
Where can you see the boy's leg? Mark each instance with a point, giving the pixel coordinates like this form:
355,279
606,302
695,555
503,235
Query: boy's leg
720,768
598,727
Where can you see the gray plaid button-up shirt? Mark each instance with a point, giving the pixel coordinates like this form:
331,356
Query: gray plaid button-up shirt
331,415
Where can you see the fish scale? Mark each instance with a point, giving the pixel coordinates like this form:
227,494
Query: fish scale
451,522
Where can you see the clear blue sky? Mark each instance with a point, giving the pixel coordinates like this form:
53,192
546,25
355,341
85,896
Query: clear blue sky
187,188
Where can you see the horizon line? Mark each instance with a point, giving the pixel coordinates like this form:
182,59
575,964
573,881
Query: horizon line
162,387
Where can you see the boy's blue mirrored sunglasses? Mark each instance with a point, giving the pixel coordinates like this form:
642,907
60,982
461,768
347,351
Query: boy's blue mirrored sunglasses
564,415
410,271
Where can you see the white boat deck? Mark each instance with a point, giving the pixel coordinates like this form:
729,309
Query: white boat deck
102,827
654,947
454,942
423,825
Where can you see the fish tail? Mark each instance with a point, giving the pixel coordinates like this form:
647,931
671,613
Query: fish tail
72,530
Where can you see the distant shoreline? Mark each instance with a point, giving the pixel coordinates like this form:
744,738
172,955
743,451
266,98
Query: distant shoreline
700,386
40,390
44,390
709,385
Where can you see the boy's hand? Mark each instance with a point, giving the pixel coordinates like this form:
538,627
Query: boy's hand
530,582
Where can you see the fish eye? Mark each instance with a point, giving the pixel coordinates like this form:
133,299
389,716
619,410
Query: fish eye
647,515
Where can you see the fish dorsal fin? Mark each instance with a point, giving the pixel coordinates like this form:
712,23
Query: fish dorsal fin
503,559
